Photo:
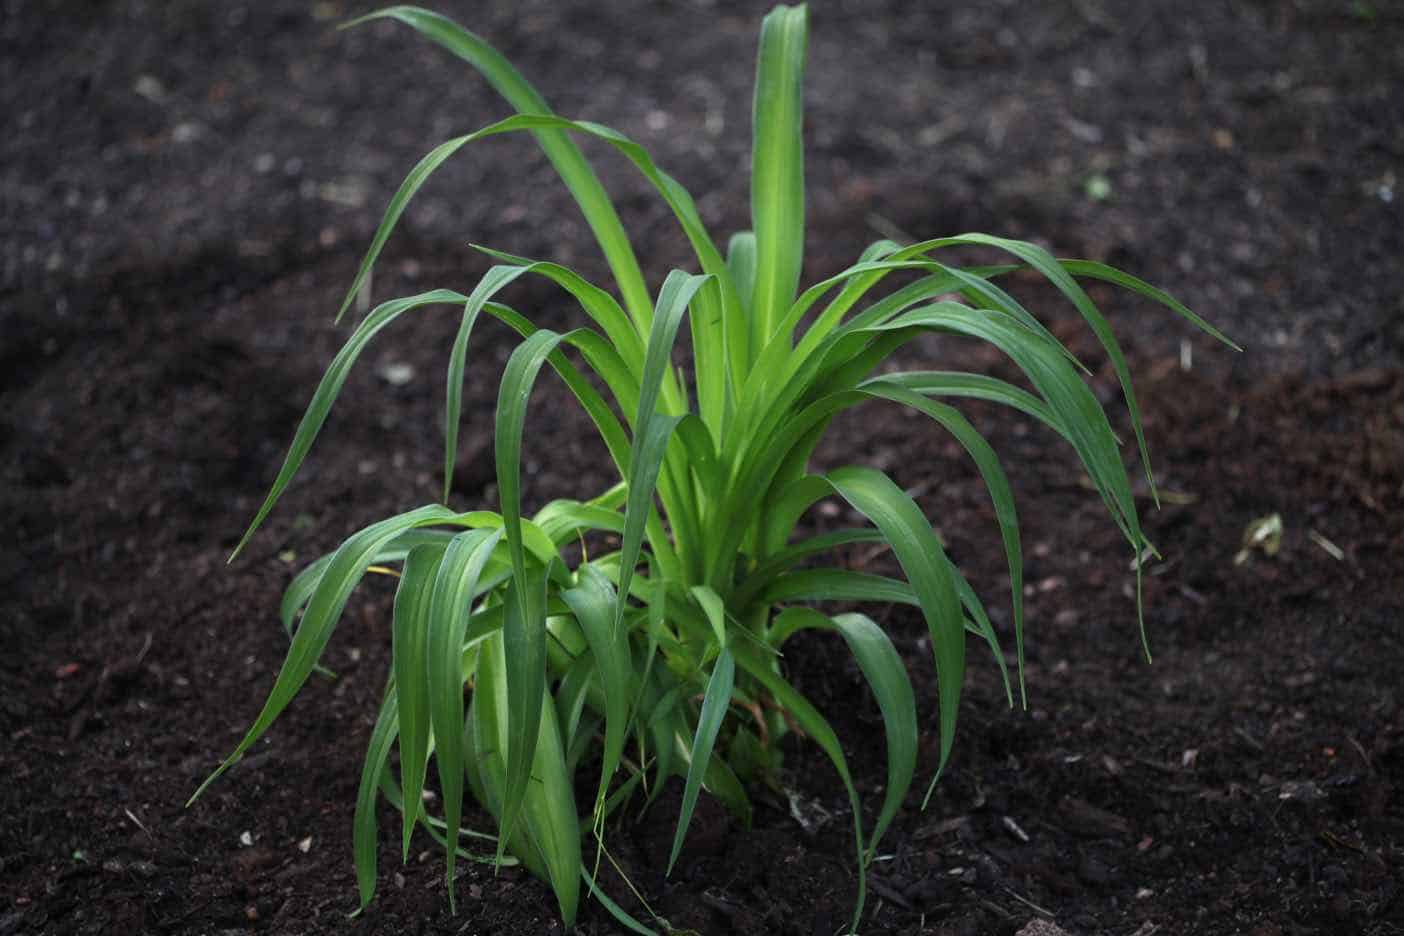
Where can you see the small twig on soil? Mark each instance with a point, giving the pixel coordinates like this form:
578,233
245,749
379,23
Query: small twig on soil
1028,903
1248,738
139,825
1360,749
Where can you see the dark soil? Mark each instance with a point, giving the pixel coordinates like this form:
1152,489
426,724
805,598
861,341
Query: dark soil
185,191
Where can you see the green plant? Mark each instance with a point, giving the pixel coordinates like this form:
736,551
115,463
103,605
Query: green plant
709,580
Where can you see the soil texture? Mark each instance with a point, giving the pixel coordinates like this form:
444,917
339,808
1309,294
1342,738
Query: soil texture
186,190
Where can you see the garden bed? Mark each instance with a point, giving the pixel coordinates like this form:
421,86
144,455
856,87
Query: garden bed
187,194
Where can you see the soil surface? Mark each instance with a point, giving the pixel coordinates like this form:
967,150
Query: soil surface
186,189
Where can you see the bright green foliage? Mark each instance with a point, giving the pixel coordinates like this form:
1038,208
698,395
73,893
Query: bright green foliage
669,649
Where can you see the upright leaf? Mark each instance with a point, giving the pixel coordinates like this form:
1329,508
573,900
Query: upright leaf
363,831
411,631
592,602
651,431
454,589
777,167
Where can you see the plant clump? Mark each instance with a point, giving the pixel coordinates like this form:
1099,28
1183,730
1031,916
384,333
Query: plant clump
663,657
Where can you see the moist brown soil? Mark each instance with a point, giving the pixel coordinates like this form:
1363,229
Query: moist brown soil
185,189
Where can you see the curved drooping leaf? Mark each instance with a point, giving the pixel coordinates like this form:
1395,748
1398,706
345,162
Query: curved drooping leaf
887,677
1094,270
996,484
327,391
569,163
1044,262
924,562
339,579
976,387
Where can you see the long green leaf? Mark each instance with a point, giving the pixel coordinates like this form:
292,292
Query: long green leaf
817,727
567,159
714,706
594,349
329,388
598,304
1094,270
548,841
493,281
410,659
363,827
450,605
777,166
1044,262
837,585
343,572
305,582
651,431
592,603
996,483
887,677
975,387
919,552
1073,404
524,642
564,520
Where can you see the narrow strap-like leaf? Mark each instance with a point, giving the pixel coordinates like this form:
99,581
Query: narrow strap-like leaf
411,631
598,304
611,432
567,159
919,552
651,431
547,837
398,202
996,483
741,261
714,706
976,387
492,282
712,606
817,727
837,585
1044,262
887,677
564,520
329,388
592,603
343,572
524,643
363,826
1072,403
450,605
777,166
1094,270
